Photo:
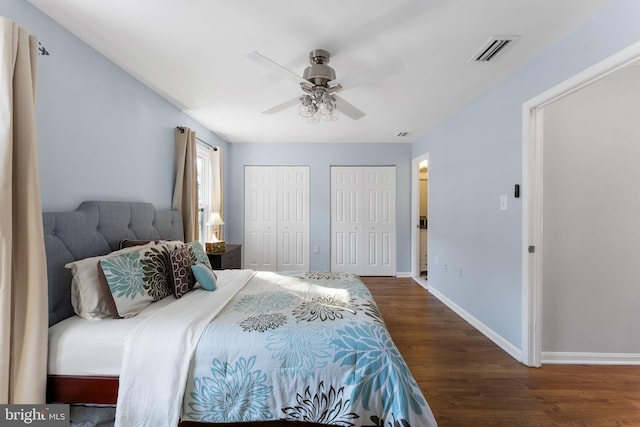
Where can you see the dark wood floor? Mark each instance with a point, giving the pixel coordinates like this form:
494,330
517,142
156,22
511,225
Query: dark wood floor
469,381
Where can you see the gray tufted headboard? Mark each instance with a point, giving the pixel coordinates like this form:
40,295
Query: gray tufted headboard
96,228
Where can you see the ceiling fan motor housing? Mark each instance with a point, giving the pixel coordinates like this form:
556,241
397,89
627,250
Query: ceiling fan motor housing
318,73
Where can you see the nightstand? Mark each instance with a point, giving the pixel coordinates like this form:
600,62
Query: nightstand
231,258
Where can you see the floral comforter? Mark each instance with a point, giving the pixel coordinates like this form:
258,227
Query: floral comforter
302,347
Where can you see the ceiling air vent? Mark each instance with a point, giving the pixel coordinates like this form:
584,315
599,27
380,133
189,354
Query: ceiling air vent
490,50
402,133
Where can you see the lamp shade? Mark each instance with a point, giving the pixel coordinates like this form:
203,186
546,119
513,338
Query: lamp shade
215,219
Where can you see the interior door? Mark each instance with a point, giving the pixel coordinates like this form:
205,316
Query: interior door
261,222
346,202
363,220
379,221
293,218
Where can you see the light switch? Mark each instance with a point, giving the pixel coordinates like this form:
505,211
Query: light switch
503,202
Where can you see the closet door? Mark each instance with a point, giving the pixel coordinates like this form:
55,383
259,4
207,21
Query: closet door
379,221
346,203
293,218
276,218
363,220
261,221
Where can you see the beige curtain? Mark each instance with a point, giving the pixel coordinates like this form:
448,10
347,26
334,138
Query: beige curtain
215,158
185,192
23,273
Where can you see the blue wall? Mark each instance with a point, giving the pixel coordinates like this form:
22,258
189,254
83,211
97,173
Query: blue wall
476,155
104,135
101,133
320,157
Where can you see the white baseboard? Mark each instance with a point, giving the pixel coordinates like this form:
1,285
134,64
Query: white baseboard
403,274
422,282
581,358
512,350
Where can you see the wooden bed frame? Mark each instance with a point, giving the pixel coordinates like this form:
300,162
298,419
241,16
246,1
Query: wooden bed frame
74,389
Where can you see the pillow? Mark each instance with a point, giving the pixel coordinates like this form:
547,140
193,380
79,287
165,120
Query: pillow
126,243
171,245
86,291
198,255
180,263
205,276
132,281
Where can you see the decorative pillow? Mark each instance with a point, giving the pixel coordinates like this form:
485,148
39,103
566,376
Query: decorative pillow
86,291
183,280
132,281
171,245
205,276
198,255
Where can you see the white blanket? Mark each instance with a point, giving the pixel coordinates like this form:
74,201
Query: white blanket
157,356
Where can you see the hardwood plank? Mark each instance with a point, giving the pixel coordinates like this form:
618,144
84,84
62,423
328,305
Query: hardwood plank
469,381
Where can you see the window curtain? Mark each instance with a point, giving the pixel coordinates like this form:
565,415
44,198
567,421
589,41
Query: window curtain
185,192
23,274
215,158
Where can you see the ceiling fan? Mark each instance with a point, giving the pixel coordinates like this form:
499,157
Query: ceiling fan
319,84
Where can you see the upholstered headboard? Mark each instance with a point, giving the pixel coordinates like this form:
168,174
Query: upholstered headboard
96,228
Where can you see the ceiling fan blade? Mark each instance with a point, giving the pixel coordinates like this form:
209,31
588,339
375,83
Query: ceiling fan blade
266,62
372,75
345,108
283,106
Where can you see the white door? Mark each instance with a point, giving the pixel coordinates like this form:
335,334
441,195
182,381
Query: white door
363,220
293,218
276,218
379,220
346,230
260,229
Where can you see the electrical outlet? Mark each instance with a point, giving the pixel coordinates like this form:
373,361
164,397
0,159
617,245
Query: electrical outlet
316,249
460,270
446,267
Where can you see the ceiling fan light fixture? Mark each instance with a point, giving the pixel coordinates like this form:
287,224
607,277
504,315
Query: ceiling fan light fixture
307,108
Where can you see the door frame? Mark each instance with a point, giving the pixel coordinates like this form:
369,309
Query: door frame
415,217
532,190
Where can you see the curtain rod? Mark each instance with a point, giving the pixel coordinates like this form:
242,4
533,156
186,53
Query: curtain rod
182,128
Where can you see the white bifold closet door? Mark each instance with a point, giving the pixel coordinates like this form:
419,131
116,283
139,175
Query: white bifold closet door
363,220
276,226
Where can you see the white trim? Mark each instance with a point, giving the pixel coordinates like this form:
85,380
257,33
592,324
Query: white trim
404,274
532,147
581,358
505,345
422,282
415,214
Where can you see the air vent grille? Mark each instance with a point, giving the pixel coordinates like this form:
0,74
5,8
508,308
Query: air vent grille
490,50
403,133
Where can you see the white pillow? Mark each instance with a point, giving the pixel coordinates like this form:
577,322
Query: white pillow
86,293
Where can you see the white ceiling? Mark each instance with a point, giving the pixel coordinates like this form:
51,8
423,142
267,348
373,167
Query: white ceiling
193,52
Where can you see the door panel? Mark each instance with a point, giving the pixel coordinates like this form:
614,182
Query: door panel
363,240
277,218
346,199
293,217
260,218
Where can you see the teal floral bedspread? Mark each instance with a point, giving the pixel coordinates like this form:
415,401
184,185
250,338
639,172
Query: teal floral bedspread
306,347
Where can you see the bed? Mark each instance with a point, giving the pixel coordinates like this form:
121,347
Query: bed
306,347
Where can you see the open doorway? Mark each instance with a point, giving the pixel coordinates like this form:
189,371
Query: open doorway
586,178
420,219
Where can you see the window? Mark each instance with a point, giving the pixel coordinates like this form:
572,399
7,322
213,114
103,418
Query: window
203,172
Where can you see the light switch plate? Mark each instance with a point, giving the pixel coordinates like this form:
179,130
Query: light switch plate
503,202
